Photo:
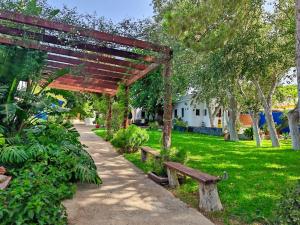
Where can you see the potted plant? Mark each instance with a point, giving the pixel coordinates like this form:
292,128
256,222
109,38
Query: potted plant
88,114
159,173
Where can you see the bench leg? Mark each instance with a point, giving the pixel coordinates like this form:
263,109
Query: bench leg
209,199
143,156
172,177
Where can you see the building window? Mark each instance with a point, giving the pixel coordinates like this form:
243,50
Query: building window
175,113
143,114
197,112
205,112
182,112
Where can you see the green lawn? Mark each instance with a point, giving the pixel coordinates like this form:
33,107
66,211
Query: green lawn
257,176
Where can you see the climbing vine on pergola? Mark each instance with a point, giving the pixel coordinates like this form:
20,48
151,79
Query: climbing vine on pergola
105,60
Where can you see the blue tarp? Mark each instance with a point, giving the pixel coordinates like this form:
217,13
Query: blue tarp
43,115
277,119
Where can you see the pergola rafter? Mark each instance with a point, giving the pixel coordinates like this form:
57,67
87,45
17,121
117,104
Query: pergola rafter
98,61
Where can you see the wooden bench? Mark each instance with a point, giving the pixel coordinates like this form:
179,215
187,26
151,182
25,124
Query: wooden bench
208,193
4,181
145,151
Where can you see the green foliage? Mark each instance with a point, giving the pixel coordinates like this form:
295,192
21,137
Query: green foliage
180,123
147,93
130,139
44,162
249,132
289,207
34,196
173,155
153,125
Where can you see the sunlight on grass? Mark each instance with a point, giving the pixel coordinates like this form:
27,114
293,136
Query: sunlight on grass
257,176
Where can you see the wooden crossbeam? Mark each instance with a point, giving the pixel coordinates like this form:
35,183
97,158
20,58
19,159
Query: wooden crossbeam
49,69
69,79
73,61
142,74
82,86
75,44
86,70
98,35
68,52
80,89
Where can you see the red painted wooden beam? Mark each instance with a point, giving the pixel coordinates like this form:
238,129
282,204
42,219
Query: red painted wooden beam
71,88
49,69
75,44
89,64
98,35
67,52
87,80
87,70
142,74
76,84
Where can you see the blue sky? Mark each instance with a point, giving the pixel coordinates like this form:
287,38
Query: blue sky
110,9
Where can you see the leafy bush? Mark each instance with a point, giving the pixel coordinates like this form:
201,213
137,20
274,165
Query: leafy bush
180,123
44,162
130,139
289,207
249,132
173,154
153,125
285,135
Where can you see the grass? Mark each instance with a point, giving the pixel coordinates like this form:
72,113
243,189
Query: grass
257,176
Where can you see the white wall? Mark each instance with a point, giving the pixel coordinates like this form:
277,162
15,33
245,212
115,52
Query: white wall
190,112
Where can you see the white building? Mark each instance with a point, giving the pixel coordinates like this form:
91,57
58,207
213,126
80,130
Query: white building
195,114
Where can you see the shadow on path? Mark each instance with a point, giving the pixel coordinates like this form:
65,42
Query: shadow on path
127,196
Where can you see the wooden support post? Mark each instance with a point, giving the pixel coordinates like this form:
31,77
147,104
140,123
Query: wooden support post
209,199
173,178
125,120
167,118
144,155
109,117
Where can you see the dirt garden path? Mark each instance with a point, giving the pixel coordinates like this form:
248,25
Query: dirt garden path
127,196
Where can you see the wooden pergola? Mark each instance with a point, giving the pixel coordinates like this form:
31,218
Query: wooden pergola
99,61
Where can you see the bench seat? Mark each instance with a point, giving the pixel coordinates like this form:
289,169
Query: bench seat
195,174
209,199
145,151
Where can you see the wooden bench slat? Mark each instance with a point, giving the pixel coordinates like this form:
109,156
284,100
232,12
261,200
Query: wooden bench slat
150,150
197,175
4,184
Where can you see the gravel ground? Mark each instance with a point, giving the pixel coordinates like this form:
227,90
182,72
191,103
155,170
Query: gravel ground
127,196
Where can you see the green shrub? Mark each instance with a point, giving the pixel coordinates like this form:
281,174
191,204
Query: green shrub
130,139
44,162
249,132
180,123
153,125
289,207
173,154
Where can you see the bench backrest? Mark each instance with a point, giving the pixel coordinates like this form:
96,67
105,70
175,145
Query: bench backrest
150,151
195,174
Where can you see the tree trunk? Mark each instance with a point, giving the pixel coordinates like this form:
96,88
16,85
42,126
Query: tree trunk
271,127
210,115
267,105
298,49
167,117
108,118
232,119
256,135
293,117
125,119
